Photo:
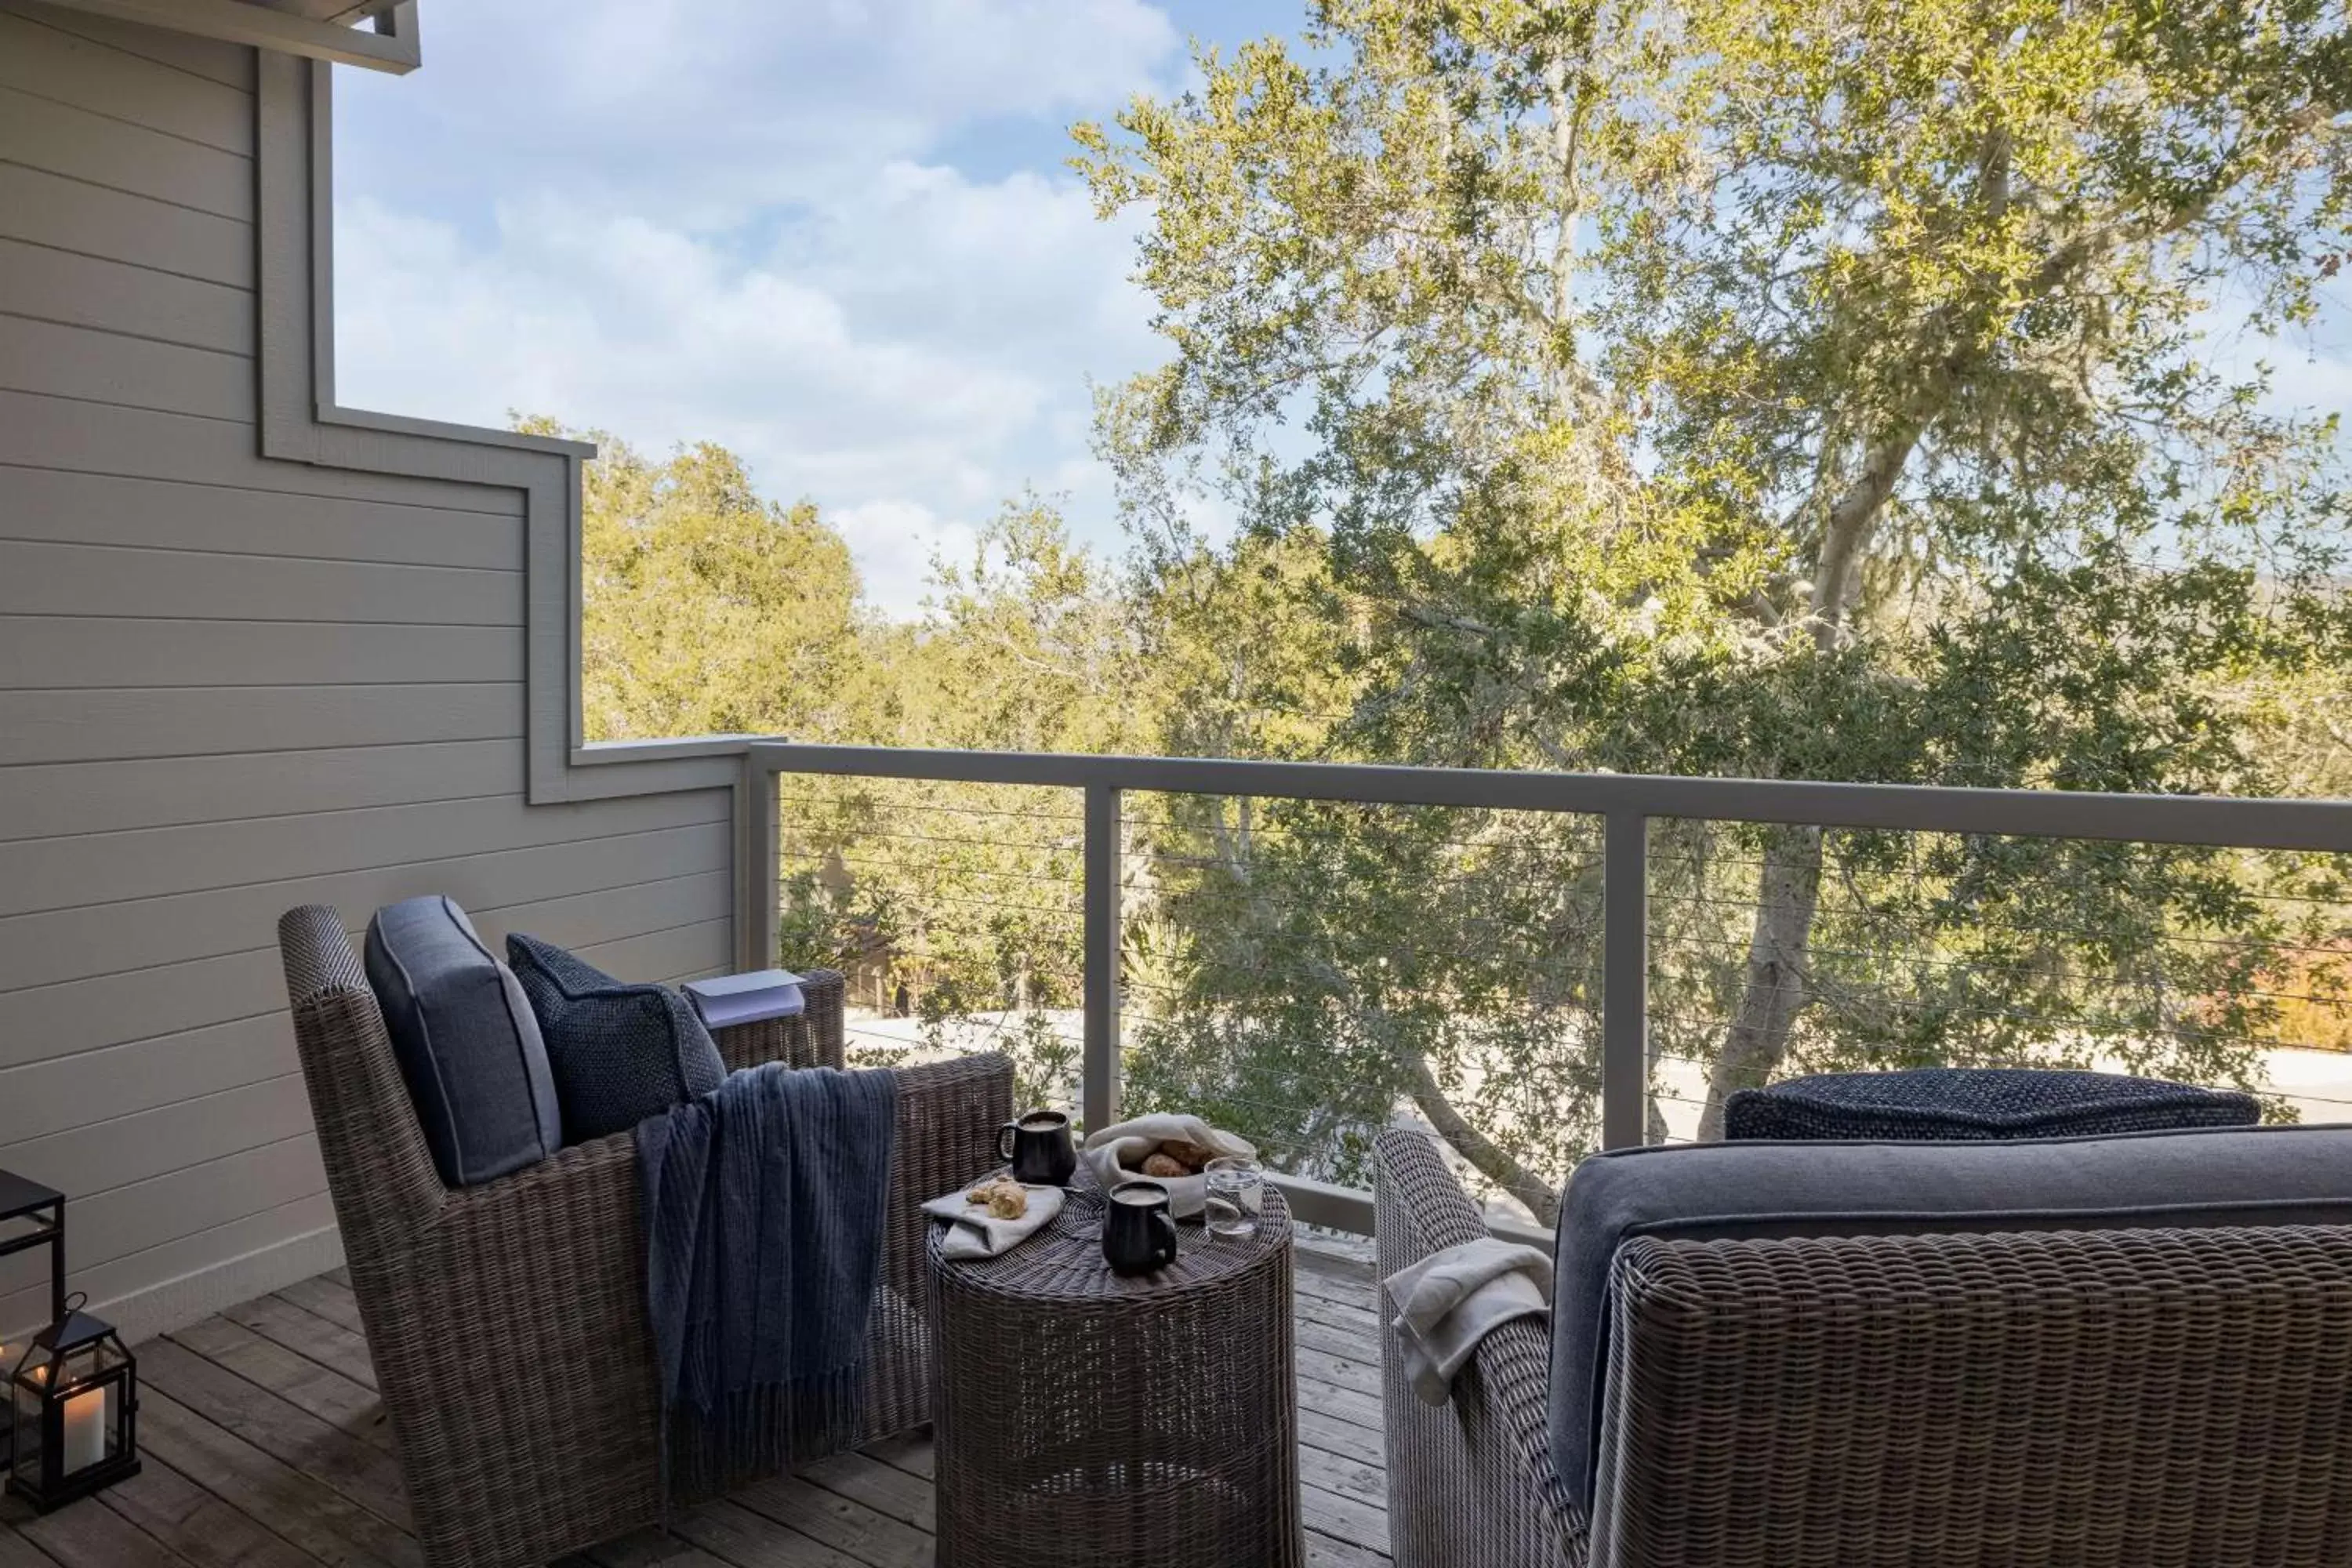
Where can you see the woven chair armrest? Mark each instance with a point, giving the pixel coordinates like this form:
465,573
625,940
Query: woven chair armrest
949,1114
947,1121
1470,1482
814,1038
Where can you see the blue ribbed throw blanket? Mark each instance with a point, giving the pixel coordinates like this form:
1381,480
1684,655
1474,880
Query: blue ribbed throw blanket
763,1203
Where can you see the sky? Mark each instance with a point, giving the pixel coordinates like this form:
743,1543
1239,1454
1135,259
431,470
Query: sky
836,235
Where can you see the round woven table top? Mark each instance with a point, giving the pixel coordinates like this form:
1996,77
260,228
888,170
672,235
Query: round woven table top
1063,1262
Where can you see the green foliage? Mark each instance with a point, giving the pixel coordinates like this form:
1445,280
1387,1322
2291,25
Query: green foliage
705,609
1768,389
1771,389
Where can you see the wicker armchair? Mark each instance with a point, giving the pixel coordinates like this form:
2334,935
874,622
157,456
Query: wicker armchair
507,1320
2120,1397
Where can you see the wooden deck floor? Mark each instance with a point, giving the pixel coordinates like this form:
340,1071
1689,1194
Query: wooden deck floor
266,1447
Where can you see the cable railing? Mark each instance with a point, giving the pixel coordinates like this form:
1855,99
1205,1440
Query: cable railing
1527,967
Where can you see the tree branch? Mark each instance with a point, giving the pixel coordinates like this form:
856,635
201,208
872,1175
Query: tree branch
1495,1163
1951,348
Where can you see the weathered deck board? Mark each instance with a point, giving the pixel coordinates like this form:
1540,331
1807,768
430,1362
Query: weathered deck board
266,1448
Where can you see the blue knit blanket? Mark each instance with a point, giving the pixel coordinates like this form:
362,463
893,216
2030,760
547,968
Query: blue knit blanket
764,1207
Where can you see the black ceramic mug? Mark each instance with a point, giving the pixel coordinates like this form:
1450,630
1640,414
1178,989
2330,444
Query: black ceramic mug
1038,1148
1139,1233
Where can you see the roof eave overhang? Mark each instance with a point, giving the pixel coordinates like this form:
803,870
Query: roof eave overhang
377,35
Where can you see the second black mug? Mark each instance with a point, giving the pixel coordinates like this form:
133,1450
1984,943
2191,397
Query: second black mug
1038,1148
1139,1233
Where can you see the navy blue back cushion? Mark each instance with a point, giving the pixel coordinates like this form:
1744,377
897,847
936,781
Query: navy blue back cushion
467,1041
1948,1103
620,1052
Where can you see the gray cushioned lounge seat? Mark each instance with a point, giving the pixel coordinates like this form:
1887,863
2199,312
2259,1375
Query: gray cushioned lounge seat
2208,1177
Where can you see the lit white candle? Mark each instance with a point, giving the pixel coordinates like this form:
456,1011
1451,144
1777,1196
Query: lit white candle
86,1429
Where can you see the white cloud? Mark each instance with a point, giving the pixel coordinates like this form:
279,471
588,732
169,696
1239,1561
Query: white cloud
896,542
715,109
738,223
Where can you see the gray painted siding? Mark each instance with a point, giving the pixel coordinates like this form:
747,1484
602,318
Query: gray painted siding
229,685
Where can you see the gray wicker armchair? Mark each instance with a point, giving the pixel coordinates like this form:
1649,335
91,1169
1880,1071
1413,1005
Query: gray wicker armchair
2122,1397
507,1320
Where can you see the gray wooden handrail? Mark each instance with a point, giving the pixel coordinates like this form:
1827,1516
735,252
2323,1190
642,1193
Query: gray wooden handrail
1626,803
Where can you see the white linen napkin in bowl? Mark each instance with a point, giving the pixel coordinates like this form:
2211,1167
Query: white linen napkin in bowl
980,1234
1116,1154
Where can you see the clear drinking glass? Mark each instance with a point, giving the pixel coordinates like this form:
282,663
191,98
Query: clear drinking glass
1237,1195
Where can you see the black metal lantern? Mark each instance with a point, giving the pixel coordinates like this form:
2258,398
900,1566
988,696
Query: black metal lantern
74,1404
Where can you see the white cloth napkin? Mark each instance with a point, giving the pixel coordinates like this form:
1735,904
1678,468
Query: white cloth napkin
1452,1299
1116,1154
980,1234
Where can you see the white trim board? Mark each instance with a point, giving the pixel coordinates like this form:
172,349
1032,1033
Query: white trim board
392,46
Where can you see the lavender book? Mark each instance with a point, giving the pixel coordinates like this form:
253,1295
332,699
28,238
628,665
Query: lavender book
732,999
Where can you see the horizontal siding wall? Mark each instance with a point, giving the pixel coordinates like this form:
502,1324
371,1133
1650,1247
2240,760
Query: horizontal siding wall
229,685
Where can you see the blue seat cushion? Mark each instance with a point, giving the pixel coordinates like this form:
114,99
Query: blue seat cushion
465,1039
1704,1192
619,1053
1980,1103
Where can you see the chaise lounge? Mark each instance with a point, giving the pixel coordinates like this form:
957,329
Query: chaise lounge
507,1320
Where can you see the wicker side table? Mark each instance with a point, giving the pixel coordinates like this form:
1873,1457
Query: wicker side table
1086,1419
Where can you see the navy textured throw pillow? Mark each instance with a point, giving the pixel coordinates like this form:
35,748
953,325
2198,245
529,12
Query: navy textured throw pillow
619,1053
1977,1103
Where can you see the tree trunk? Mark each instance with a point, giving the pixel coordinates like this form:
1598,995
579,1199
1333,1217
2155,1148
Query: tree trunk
1787,893
1654,1127
1789,888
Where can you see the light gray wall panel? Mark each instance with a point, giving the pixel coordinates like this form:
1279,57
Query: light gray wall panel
665,954
47,134
173,1262
73,945
90,438
98,797
136,373
72,215
37,57
38,874
72,726
44,578
620,893
60,1018
68,651
122,1080
127,1219
590,919
139,1146
83,291
228,64
100,509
